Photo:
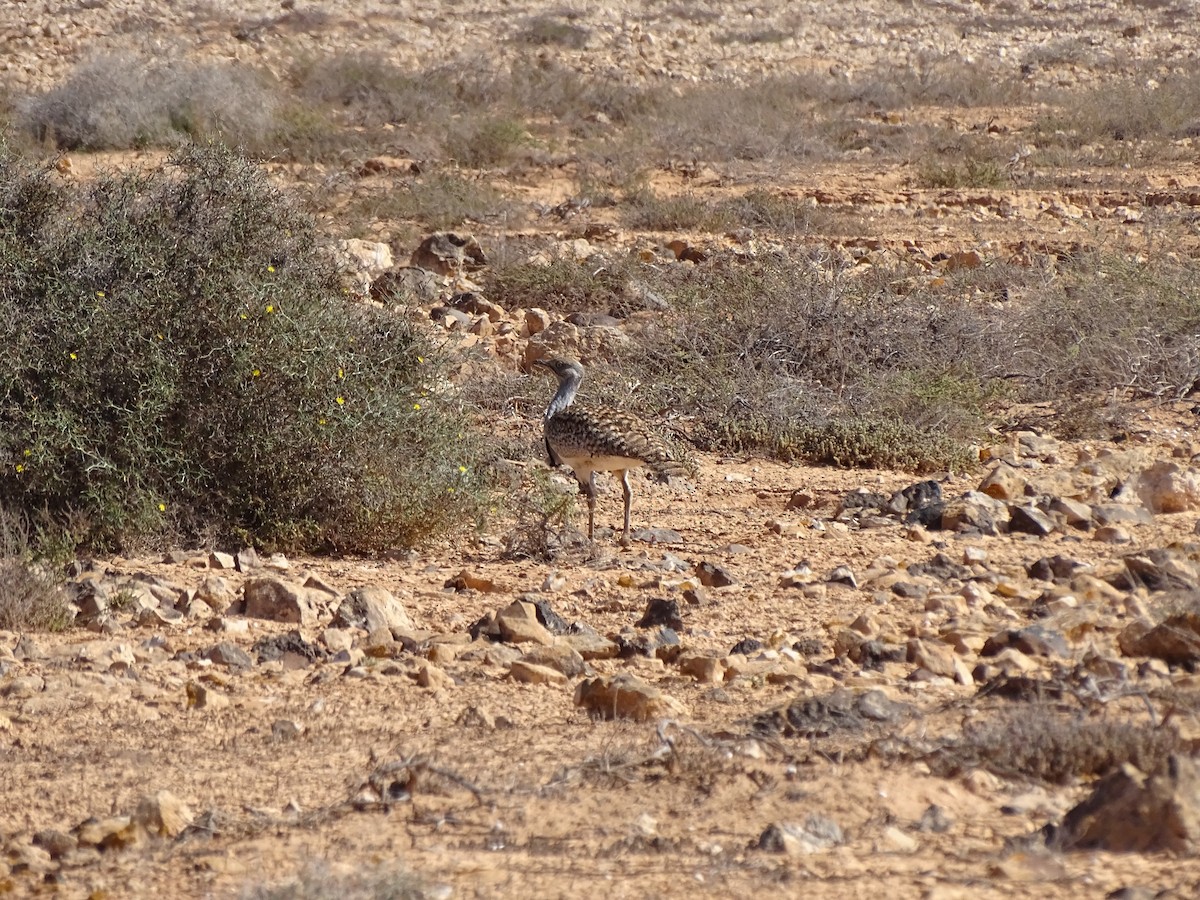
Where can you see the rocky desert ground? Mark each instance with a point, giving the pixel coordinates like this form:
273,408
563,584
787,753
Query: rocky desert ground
797,681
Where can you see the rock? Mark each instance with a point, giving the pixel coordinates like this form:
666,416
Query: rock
113,833
429,676
910,503
246,560
231,655
536,320
1167,487
817,833
1130,812
932,656
661,643
559,656
713,576
366,259
842,575
1056,568
219,560
201,696
1121,514
278,601
371,608
447,253
1071,512
1004,482
703,668
1112,534
1030,520
217,592
974,512
405,286
162,814
518,624
625,697
660,612
532,673
1175,640
1031,641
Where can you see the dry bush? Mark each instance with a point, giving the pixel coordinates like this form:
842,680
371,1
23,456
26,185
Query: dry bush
1137,108
119,101
318,882
32,597
1047,745
554,29
437,201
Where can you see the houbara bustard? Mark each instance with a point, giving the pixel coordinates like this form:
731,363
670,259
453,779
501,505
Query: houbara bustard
597,439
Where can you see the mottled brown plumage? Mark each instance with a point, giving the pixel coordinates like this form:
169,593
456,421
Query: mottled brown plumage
593,439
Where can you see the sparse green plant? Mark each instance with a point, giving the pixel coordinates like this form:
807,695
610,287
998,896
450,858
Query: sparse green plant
178,354
962,172
492,142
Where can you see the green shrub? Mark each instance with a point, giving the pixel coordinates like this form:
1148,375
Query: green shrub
177,356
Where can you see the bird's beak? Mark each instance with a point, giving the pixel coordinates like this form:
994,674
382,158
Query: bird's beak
542,363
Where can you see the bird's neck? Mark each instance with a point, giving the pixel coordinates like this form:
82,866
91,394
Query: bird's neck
563,397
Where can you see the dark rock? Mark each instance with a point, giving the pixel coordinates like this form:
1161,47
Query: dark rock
746,646
231,655
1033,640
662,612
554,623
911,500
291,648
862,500
1030,520
661,642
713,576
1054,568
941,567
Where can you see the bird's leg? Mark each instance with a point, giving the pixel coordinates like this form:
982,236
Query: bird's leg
590,490
628,491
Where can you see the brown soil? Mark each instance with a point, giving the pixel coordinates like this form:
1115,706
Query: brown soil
510,789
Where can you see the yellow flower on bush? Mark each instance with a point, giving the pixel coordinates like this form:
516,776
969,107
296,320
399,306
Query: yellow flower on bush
416,406
162,507
20,468
270,268
256,373
73,356
270,308
341,400
100,294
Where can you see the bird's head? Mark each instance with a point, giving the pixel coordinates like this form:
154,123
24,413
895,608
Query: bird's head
563,367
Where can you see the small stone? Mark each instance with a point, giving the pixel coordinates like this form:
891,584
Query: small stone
661,612
1112,534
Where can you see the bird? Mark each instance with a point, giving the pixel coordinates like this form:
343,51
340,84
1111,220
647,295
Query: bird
598,439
